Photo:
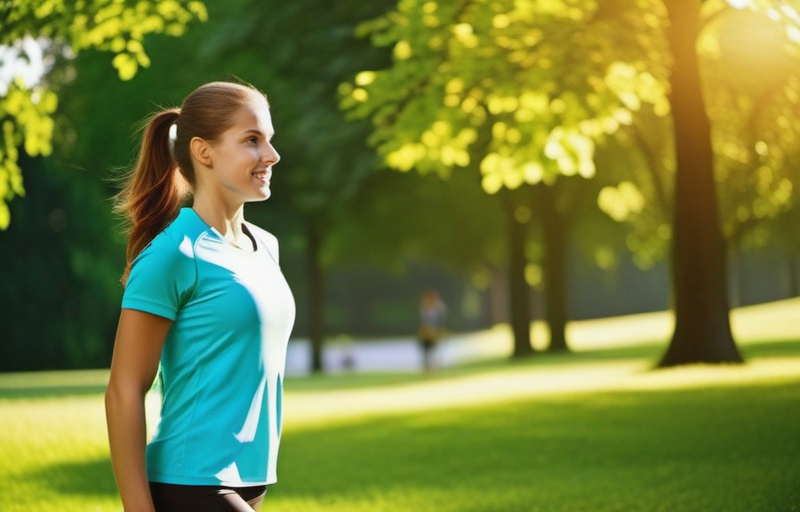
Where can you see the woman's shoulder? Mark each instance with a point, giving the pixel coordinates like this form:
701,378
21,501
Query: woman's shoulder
175,243
164,274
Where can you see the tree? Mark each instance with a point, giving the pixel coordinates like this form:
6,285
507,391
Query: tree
36,35
751,73
749,69
516,73
556,82
702,326
60,294
702,329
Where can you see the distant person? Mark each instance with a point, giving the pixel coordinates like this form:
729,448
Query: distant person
205,297
432,316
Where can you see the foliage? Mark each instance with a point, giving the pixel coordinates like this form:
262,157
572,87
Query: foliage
635,187
548,82
520,92
751,60
580,88
750,56
60,294
37,35
326,158
410,217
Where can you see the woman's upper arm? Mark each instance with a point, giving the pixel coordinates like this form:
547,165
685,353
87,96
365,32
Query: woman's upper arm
137,348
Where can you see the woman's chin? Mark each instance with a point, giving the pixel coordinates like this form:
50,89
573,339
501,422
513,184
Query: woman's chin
258,199
262,194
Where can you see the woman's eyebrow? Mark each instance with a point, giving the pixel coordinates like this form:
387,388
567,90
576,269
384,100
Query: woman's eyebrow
258,132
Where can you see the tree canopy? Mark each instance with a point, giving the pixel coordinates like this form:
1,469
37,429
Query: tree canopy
526,92
519,92
37,35
546,82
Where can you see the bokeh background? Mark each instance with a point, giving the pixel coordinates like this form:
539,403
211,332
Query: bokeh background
543,164
556,117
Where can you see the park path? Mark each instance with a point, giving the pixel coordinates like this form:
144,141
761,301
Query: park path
400,354
773,321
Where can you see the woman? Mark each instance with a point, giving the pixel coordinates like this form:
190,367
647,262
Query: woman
204,296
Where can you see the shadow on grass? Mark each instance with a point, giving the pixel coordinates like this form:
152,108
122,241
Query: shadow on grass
728,449
79,478
51,391
771,349
49,384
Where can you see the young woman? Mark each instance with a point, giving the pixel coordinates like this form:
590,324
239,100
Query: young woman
204,296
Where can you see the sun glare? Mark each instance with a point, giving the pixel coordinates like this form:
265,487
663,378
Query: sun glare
24,60
751,49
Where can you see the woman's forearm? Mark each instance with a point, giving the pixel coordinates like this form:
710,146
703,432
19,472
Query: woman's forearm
127,434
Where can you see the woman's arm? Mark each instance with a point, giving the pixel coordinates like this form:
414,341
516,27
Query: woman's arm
137,350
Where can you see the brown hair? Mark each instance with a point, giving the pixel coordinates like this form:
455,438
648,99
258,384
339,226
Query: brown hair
153,192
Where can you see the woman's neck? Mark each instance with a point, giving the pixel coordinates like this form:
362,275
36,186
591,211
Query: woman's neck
227,219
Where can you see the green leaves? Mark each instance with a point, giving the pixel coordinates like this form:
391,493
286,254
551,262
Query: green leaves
524,92
27,122
752,75
62,30
547,81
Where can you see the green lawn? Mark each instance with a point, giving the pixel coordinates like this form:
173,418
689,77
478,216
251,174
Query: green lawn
596,431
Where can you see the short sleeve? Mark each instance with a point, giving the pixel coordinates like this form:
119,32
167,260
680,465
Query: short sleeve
161,277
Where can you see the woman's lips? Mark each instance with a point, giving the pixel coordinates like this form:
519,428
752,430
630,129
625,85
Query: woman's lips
262,176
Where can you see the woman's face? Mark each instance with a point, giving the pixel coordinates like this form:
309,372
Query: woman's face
243,156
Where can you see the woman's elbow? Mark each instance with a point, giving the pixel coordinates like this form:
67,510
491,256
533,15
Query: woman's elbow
121,395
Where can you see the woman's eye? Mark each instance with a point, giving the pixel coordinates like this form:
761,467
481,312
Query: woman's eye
252,140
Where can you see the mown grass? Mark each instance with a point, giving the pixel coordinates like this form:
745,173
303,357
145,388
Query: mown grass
731,449
597,431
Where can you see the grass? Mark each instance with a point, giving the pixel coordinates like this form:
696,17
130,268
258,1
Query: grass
596,431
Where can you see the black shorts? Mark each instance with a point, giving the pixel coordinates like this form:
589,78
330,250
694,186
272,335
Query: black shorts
205,498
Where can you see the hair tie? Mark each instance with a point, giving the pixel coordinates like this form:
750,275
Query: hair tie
173,134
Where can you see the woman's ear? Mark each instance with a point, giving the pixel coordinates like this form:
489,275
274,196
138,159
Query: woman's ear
201,151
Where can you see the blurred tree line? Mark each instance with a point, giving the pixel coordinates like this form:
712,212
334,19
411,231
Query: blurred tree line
525,96
326,191
560,110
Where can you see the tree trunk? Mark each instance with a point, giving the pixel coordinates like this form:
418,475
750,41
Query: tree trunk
498,295
316,292
736,276
794,275
519,291
554,266
702,324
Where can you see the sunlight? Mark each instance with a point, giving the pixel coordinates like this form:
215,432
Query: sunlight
310,409
755,43
772,322
24,61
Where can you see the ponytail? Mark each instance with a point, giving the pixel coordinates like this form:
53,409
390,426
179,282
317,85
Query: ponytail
154,191
164,174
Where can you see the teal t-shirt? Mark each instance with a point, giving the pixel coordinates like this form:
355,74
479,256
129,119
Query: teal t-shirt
223,359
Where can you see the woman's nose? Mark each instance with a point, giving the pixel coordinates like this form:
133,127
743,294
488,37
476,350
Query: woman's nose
270,155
